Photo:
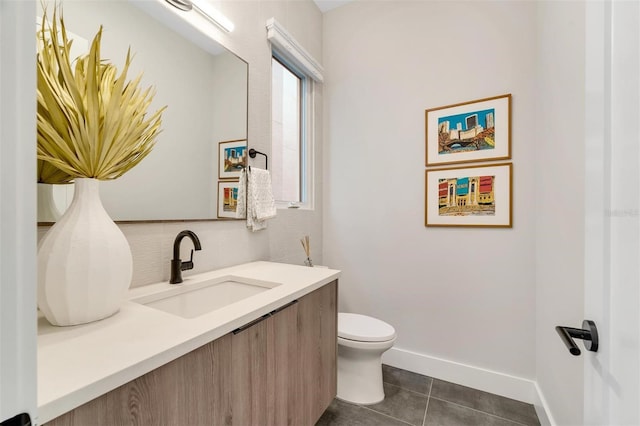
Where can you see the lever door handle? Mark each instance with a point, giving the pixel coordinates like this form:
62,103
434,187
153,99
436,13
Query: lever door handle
588,333
21,419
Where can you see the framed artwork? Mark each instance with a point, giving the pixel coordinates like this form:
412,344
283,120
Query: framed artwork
470,196
227,199
471,131
232,158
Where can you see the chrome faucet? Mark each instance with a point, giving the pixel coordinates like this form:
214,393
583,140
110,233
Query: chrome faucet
177,265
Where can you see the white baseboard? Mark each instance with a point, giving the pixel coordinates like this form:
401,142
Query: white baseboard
513,387
542,409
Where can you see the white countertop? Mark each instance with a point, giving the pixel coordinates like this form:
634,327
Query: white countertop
77,364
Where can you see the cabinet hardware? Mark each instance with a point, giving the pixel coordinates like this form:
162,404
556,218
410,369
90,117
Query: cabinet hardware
282,308
251,324
264,317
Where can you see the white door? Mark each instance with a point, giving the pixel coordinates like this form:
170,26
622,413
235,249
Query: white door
17,211
612,237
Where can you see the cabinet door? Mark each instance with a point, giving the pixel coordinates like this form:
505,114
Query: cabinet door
265,371
249,389
317,351
284,367
191,390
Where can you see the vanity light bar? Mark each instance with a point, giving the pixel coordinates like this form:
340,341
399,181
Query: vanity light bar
213,14
185,5
205,9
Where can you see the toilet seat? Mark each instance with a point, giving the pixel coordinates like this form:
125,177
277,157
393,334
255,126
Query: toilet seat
362,328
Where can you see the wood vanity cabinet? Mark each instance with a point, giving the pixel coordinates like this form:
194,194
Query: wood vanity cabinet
280,370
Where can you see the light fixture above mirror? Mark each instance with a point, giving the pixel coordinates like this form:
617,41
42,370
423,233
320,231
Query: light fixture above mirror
185,5
205,9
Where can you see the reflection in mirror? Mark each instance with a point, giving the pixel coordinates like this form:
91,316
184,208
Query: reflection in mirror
205,89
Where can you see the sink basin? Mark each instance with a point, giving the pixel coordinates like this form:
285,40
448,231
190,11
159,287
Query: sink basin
190,300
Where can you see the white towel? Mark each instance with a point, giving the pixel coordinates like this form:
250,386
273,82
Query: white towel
255,198
241,206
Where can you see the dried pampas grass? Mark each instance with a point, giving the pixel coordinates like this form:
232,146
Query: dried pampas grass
92,122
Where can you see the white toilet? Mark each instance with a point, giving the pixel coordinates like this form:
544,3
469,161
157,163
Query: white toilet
361,342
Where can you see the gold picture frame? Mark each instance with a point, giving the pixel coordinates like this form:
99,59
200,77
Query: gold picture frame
473,131
227,199
232,158
479,196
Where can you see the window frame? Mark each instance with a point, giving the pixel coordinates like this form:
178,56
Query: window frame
306,134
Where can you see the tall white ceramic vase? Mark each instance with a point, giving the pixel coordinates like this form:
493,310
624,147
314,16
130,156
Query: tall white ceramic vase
47,210
84,262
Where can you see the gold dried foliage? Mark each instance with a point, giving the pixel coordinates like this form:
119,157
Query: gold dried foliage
92,122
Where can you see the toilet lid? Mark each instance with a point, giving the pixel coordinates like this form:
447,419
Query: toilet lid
363,328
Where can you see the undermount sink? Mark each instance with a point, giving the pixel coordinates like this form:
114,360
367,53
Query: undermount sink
190,300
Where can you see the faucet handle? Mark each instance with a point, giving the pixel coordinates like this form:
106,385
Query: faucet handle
188,264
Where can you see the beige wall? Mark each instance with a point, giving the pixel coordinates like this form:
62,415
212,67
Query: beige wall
461,300
476,306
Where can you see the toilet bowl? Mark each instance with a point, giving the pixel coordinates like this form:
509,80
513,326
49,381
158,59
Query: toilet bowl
361,342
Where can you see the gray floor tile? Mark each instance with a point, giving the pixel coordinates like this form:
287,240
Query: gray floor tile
442,413
483,401
406,379
402,404
341,413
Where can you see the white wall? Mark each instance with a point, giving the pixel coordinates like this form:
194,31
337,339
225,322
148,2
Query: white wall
560,201
454,295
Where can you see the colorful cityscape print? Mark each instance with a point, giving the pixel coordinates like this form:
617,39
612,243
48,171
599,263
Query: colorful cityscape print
466,196
230,199
234,158
470,131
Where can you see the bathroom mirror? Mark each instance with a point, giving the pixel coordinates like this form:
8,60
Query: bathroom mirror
204,86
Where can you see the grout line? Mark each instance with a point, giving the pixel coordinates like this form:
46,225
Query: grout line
408,390
479,411
428,395
424,419
404,389
386,415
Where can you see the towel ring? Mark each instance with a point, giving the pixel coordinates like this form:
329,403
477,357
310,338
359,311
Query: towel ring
252,154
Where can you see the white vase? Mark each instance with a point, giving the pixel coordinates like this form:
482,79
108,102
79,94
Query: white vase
84,262
53,201
47,209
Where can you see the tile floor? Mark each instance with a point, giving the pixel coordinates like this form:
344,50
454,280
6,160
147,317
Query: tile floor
413,399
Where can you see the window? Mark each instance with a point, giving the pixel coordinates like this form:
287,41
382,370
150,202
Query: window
287,138
294,73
